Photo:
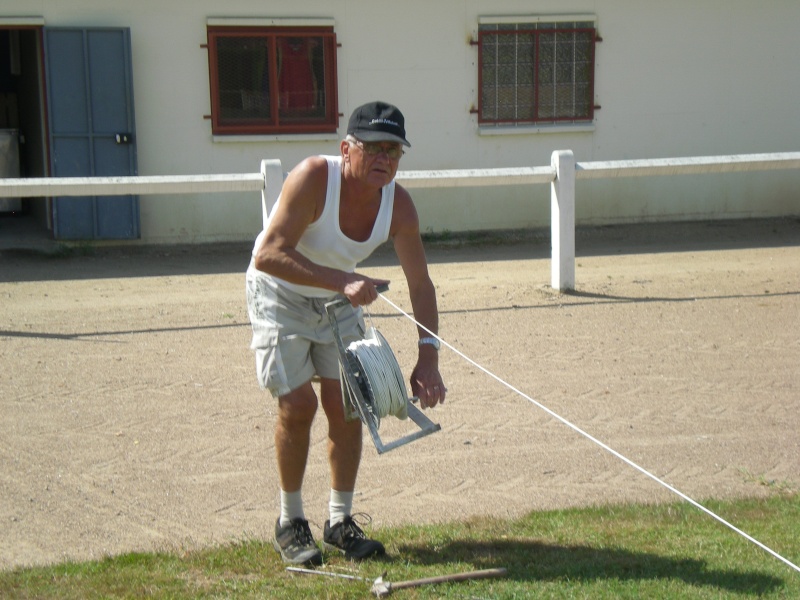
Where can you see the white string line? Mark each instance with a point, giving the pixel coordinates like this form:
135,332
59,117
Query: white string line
596,441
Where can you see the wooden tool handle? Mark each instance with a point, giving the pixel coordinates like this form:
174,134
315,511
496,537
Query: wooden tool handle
483,574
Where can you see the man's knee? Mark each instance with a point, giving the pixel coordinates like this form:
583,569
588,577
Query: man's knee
332,402
298,407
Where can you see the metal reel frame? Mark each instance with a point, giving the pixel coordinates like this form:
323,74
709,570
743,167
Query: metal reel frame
357,406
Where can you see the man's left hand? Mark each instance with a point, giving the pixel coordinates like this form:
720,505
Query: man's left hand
427,385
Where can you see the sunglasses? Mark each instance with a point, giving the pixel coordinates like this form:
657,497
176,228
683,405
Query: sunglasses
393,151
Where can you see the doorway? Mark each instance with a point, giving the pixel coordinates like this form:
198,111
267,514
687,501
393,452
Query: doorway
66,110
23,146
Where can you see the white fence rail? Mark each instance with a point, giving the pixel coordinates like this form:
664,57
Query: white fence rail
476,177
737,163
561,175
124,186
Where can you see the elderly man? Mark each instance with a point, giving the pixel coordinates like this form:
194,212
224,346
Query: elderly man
333,212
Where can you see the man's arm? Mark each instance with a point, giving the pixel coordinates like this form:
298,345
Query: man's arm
426,381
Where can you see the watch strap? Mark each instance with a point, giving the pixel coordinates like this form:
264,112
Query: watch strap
432,341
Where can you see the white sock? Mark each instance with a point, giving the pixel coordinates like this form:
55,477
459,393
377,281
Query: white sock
340,506
291,506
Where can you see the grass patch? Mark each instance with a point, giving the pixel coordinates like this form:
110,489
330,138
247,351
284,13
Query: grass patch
783,485
664,551
74,249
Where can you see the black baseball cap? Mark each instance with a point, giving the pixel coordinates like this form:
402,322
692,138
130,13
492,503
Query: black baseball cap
378,122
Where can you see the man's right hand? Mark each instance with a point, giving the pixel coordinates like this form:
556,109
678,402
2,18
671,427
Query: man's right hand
360,290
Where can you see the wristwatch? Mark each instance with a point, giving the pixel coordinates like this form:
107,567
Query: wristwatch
432,341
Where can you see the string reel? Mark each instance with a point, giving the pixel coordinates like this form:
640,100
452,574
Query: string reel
372,383
378,376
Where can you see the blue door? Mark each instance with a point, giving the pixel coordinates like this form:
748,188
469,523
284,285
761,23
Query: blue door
91,128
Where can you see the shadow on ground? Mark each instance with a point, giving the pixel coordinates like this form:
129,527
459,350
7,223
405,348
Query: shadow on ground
92,261
533,561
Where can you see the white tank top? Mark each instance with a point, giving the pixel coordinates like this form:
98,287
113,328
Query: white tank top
323,241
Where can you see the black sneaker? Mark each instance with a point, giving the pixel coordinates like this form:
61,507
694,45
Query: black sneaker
296,544
349,539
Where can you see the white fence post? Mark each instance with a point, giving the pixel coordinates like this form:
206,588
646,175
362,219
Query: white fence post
562,221
272,172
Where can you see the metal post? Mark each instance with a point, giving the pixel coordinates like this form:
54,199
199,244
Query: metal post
562,221
272,172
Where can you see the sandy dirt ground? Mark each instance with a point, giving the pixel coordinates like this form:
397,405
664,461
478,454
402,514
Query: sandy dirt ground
130,417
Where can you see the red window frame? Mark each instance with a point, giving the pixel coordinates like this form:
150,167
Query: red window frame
277,121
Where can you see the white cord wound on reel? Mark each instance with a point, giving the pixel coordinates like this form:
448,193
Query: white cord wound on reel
381,373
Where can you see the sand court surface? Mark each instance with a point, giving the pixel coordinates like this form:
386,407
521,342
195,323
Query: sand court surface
130,417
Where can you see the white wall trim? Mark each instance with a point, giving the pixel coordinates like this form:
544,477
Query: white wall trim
510,19
485,130
22,21
269,22
310,137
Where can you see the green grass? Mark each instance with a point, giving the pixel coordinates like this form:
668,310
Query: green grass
665,551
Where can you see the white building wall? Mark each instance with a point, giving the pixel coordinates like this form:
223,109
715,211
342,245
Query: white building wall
677,78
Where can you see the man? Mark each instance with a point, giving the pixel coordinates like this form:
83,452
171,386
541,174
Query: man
333,212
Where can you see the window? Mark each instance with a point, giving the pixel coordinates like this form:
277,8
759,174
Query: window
536,70
268,80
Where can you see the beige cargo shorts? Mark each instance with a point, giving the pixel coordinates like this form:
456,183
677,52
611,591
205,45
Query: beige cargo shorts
292,335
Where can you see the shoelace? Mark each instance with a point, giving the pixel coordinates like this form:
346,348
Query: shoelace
302,533
351,529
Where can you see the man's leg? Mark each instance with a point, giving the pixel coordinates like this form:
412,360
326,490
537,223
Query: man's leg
344,438
341,533
296,412
293,538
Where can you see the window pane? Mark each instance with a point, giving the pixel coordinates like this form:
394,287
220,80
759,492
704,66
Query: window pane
565,72
526,96
547,49
583,49
505,102
583,100
242,64
489,53
564,37
525,74
507,76
301,77
564,101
